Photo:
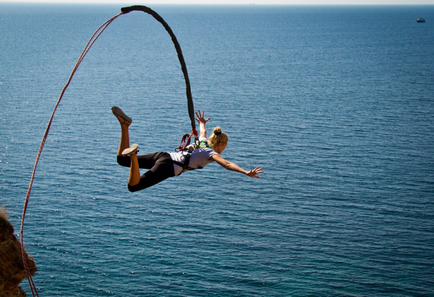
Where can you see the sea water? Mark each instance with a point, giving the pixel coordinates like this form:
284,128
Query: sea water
335,103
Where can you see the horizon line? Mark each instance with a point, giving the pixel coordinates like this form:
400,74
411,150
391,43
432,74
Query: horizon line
228,3
220,4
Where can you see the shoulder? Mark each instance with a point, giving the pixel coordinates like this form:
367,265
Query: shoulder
209,152
216,157
219,160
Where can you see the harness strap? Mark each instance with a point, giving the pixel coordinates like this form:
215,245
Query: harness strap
186,139
187,156
184,167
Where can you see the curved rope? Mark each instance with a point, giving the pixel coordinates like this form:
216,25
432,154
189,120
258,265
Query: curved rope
180,57
88,46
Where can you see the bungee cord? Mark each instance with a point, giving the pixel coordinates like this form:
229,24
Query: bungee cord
86,49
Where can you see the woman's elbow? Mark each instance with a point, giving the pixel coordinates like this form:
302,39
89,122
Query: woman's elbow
228,166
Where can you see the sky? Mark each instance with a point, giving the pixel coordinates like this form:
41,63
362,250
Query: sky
246,2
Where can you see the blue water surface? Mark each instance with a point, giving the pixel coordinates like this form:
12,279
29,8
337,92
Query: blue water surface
335,103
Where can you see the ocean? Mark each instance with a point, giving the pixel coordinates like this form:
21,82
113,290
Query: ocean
336,103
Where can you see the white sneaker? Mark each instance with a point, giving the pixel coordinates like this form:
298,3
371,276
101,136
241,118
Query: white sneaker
131,150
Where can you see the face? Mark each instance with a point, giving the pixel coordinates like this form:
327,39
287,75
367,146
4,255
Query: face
221,147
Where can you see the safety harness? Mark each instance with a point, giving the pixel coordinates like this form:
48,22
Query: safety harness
187,151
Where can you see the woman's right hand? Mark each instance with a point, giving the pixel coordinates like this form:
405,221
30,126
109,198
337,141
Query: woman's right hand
255,172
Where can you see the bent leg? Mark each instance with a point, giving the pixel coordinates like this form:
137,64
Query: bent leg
145,161
125,139
124,142
162,169
134,177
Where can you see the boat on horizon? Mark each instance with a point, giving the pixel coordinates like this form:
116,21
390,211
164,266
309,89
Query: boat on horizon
420,20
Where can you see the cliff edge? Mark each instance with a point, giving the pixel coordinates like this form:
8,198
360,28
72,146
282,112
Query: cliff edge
12,271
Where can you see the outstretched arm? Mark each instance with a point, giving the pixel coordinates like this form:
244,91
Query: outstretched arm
234,167
200,117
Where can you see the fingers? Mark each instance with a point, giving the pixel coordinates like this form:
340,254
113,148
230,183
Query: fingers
259,170
255,172
200,117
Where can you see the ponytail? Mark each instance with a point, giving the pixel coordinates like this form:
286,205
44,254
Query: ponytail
218,137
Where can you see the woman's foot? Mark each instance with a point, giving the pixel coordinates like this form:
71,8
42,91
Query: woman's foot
122,117
131,150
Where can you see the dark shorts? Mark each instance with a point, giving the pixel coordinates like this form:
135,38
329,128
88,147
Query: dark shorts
160,167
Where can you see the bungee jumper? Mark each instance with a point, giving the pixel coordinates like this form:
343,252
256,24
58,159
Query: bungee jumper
162,165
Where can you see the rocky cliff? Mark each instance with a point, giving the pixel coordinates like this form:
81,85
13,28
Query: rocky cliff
12,271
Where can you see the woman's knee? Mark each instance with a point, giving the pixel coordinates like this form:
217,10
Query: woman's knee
124,161
135,188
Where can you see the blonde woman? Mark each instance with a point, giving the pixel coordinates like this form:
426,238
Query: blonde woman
162,165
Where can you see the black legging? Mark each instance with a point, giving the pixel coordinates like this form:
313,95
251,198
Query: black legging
160,167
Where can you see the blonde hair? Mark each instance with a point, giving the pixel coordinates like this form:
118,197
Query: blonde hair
218,137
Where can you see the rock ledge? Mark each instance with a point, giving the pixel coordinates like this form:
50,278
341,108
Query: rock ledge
12,271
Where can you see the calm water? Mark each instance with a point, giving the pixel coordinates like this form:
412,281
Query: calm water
336,103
